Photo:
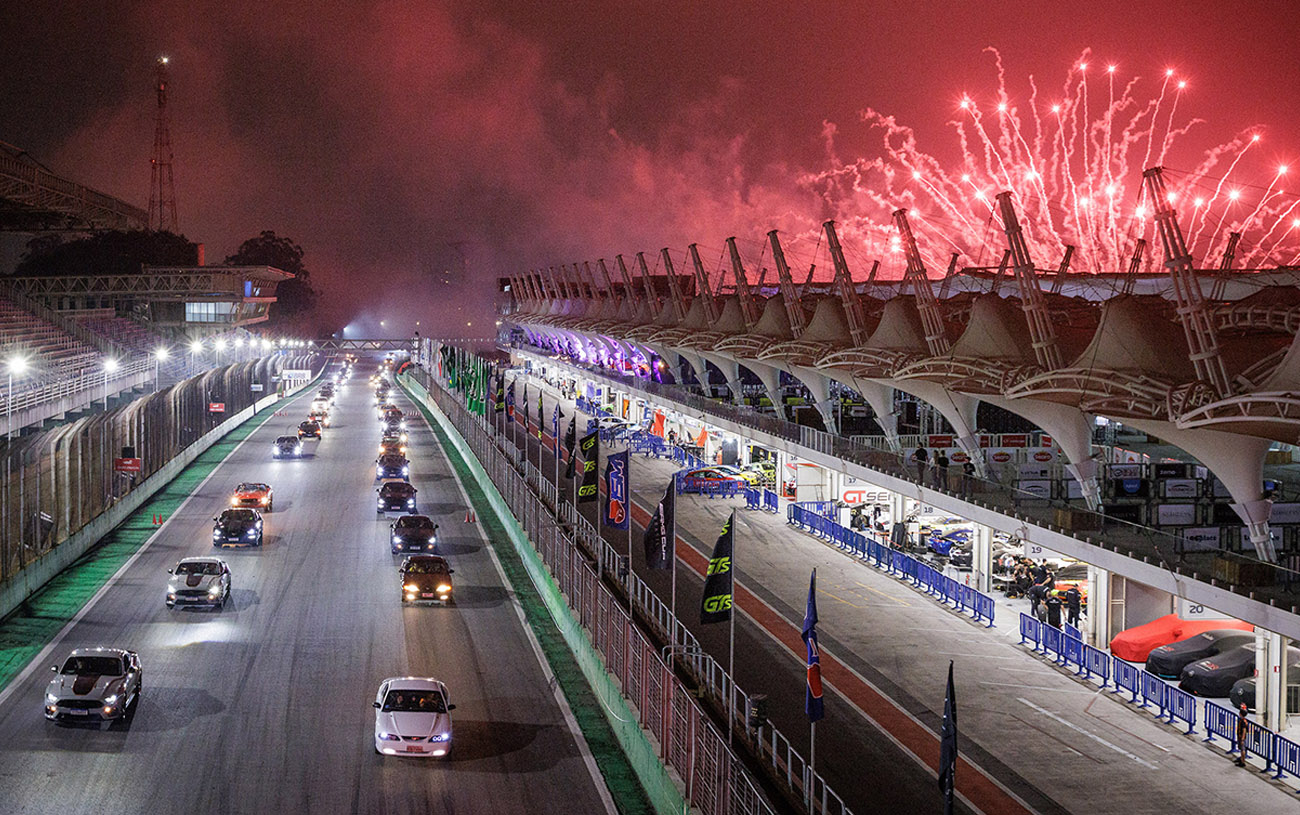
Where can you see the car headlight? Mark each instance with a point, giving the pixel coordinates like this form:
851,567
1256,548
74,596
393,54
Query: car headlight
411,587
389,736
266,498
110,700
406,471
380,502
234,501
216,533
51,699
252,533
440,737
443,588
396,539
215,590
410,502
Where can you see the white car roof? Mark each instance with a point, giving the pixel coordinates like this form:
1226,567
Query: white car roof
414,683
200,560
98,651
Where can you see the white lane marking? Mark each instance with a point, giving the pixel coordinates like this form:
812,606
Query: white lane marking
1087,733
584,750
1033,687
45,652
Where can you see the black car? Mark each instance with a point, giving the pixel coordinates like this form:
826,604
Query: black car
237,527
393,466
414,533
309,430
1168,661
287,447
395,496
1216,675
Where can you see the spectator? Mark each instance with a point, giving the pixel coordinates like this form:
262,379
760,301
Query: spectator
1241,736
967,477
920,458
940,469
1073,604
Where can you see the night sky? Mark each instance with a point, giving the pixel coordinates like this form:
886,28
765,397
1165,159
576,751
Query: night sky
396,141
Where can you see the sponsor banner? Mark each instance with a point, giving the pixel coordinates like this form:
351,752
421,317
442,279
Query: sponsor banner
958,457
256,387
1073,489
1044,440
126,465
940,441
1038,487
1181,487
1045,456
590,446
1131,513
1001,455
1175,514
1131,487
1125,471
1034,469
859,495
986,440
1170,469
296,373
216,407
1285,514
715,605
1200,538
1015,440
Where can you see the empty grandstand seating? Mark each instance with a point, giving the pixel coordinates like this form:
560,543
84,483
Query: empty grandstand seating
125,332
54,353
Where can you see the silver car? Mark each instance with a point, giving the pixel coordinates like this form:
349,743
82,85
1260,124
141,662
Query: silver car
412,717
94,685
199,581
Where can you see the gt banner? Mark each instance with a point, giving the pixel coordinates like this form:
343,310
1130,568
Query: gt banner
616,489
661,532
570,440
715,607
590,446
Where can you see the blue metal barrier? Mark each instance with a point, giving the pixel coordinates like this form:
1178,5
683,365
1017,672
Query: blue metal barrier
1181,705
1052,641
751,498
1286,754
1261,741
1096,661
1031,630
1127,677
770,501
1154,691
1220,721
1071,631
983,606
1072,651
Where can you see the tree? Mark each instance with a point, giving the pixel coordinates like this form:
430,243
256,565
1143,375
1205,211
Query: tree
111,252
295,298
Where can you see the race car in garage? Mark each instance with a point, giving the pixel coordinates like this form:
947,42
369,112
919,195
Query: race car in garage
94,685
287,447
392,466
1135,644
412,717
1168,661
426,579
414,533
237,527
199,581
1243,690
1216,675
942,544
706,477
253,494
395,496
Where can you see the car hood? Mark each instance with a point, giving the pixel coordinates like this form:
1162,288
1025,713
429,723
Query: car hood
414,724
427,582
415,534
91,687
231,527
195,581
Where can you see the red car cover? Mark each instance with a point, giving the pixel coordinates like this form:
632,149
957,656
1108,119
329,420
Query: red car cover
1135,644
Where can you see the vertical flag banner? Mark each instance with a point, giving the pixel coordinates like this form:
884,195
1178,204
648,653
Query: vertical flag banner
510,401
555,426
716,604
499,400
661,532
616,490
948,744
702,438
524,421
587,491
570,446
540,429
813,700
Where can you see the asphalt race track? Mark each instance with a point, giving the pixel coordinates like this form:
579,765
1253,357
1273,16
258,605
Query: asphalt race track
266,706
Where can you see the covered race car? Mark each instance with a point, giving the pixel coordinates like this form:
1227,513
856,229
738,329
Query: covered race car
1135,644
1243,690
1216,675
1168,661
253,494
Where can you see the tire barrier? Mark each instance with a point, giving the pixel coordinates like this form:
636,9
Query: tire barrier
901,565
1169,703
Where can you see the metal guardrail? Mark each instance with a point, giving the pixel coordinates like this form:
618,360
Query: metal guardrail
34,397
574,551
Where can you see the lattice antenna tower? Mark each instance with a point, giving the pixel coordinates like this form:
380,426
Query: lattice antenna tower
162,185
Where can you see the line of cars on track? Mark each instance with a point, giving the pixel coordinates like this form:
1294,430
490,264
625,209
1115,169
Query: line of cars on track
412,713
103,684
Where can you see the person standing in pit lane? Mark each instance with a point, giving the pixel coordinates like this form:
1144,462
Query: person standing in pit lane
1053,603
1241,736
1073,604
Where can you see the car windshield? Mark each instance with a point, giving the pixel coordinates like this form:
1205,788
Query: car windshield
287,440
393,461
92,666
414,701
198,568
397,489
414,522
238,515
427,567
251,488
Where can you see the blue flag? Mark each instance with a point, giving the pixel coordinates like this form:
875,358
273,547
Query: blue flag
813,701
616,489
510,401
948,743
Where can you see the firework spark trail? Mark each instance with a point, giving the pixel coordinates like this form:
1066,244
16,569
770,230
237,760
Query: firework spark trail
1268,193
1276,224
1196,236
1155,114
1169,126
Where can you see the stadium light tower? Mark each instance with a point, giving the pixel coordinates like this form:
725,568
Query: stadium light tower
110,365
16,365
158,356
162,186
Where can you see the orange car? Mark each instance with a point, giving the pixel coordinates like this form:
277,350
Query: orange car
252,494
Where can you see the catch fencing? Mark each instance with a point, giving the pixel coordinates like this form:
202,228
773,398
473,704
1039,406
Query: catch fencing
584,566
1167,702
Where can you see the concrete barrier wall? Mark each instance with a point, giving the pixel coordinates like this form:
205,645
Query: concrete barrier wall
35,574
